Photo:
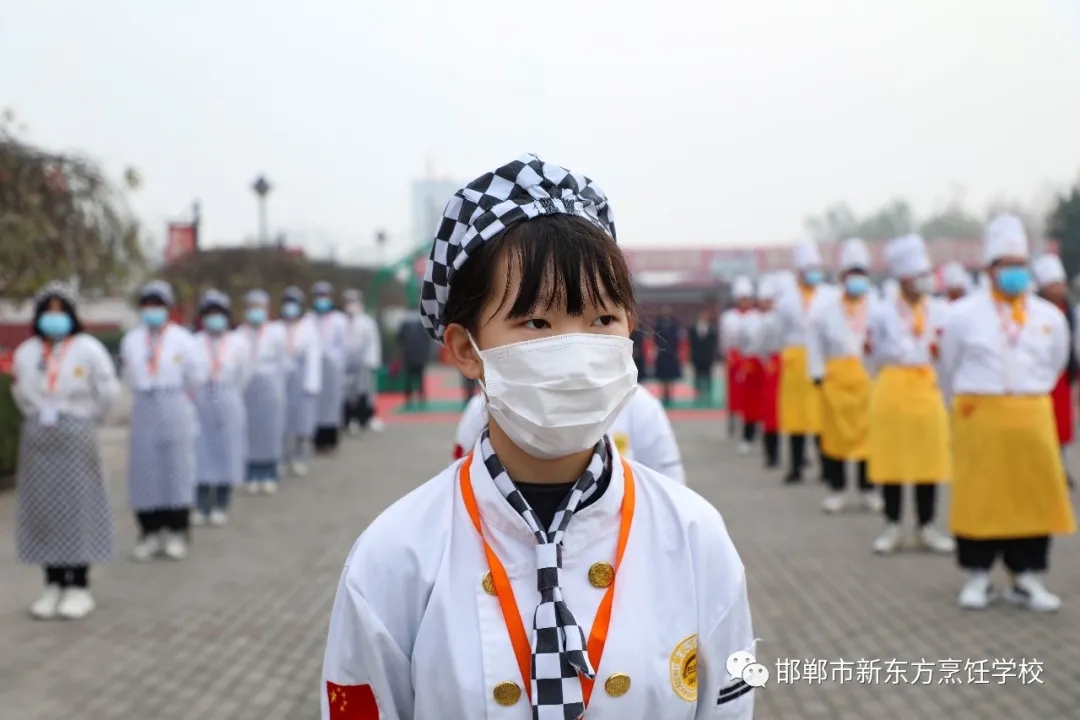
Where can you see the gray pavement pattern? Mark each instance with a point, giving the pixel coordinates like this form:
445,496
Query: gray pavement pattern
237,630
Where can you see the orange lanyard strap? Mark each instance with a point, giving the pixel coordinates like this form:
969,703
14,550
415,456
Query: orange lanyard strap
153,347
53,363
217,359
519,639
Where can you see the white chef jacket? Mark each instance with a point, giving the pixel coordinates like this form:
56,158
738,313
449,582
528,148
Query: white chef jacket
413,621
179,364
976,357
303,344
835,335
232,351
333,329
364,341
642,432
745,329
795,317
891,340
85,378
766,336
729,329
266,348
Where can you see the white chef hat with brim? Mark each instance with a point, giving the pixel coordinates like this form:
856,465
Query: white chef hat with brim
56,289
742,288
805,255
768,287
157,290
257,297
1004,237
955,276
214,299
907,257
1048,270
854,255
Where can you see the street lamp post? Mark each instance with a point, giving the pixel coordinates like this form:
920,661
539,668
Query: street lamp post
380,244
262,188
196,219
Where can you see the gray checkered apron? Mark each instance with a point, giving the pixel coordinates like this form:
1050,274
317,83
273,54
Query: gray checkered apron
332,396
558,643
161,451
62,506
221,447
264,399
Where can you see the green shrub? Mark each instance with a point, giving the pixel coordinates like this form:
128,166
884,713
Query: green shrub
10,422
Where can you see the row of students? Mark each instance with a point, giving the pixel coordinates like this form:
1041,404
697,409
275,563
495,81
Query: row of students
916,391
209,410
490,591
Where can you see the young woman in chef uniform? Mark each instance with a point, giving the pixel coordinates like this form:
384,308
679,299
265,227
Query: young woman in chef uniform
641,432
543,574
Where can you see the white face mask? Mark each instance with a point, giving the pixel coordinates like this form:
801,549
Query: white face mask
559,395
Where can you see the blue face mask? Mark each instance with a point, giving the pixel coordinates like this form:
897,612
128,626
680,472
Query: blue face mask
155,317
291,310
323,304
215,322
1013,280
813,277
256,316
55,324
857,285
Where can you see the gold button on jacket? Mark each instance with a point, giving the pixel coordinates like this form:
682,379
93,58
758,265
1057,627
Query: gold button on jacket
617,685
507,693
488,583
601,575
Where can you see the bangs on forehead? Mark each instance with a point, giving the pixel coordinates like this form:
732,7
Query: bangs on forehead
562,263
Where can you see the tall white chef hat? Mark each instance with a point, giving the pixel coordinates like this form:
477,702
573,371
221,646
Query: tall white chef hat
742,288
907,257
1048,270
805,255
1004,236
768,287
955,277
854,255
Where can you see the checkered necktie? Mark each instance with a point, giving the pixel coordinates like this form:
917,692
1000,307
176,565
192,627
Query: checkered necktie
558,642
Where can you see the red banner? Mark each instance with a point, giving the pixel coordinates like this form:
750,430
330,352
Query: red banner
180,243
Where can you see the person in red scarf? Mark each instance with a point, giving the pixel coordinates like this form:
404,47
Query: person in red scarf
742,291
1053,287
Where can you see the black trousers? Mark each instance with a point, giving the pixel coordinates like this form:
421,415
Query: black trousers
834,472
1020,555
414,382
171,519
326,438
749,431
360,409
66,576
771,442
797,445
925,502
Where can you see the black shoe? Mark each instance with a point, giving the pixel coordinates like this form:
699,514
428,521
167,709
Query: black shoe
793,479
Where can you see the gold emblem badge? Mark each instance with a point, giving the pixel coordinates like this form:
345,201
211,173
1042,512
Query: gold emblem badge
178,358
1047,329
622,442
80,371
683,669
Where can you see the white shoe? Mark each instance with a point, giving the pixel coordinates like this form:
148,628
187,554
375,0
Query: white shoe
251,487
299,468
75,604
354,428
376,425
44,608
218,517
147,548
977,592
198,518
934,540
888,541
871,500
269,487
744,448
175,546
1028,591
835,503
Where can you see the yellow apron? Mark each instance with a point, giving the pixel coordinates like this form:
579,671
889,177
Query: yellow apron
800,400
845,409
1008,480
909,428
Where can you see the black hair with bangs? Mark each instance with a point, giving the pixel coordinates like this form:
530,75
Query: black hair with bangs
563,261
42,306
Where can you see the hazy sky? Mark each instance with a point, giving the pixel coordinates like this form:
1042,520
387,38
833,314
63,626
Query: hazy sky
714,123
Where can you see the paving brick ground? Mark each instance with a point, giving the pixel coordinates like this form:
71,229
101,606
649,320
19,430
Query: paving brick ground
237,631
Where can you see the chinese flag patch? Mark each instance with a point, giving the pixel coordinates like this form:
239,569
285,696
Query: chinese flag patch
351,702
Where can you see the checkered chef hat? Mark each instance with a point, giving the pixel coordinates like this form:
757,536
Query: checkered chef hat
56,289
214,298
521,190
158,289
